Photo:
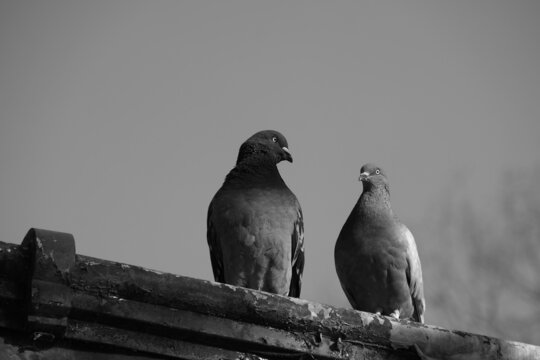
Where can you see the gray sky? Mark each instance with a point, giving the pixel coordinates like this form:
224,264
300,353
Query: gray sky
120,119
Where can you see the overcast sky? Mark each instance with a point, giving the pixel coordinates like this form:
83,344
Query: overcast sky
120,119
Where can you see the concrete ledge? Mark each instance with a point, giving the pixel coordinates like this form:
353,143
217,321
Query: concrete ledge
54,302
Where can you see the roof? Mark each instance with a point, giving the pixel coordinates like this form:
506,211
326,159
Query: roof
57,304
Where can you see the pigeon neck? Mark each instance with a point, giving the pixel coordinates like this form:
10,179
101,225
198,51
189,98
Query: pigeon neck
375,202
252,151
255,170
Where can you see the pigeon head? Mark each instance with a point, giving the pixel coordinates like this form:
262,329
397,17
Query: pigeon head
268,144
372,175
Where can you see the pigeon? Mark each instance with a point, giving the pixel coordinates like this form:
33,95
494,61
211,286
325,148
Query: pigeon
376,257
255,226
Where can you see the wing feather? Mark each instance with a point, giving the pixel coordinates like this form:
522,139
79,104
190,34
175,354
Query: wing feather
297,255
216,256
414,276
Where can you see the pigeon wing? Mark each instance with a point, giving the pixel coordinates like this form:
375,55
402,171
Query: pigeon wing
214,245
414,276
297,255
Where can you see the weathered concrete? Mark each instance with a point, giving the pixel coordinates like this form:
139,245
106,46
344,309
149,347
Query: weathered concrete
71,303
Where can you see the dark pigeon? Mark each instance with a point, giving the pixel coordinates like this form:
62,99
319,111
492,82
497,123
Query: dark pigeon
376,257
255,228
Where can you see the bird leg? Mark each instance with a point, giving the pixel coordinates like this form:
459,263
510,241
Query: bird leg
395,314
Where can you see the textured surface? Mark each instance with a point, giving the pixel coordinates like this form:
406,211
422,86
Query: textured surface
126,311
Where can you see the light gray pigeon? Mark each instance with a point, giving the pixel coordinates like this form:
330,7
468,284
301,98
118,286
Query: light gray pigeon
376,257
255,228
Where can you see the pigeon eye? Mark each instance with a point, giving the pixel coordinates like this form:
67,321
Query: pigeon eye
377,171
274,139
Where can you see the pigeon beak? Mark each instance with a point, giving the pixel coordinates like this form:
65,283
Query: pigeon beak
363,176
286,154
